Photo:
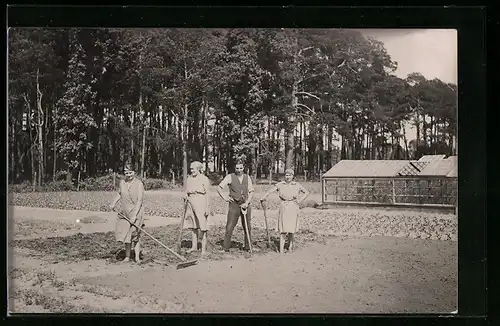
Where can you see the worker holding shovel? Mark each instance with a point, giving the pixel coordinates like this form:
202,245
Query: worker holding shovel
239,198
288,216
131,194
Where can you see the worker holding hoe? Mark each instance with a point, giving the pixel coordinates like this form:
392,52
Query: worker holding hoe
239,198
131,193
288,216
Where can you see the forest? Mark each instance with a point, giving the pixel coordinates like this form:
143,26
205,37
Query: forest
84,102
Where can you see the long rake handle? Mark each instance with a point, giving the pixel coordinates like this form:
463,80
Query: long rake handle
153,238
179,241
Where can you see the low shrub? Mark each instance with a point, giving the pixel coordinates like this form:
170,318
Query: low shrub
104,183
59,185
25,186
154,184
215,178
61,175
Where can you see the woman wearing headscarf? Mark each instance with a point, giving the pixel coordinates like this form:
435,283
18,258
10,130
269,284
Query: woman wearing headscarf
131,195
197,196
288,216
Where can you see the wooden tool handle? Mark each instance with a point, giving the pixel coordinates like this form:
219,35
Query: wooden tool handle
153,238
183,217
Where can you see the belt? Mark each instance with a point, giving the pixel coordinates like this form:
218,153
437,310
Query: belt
195,193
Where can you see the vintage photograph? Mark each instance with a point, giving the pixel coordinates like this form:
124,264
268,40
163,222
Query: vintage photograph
192,170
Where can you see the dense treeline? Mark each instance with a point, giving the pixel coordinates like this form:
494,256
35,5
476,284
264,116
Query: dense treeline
86,101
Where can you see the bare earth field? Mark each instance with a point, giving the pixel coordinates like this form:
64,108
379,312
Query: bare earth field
346,261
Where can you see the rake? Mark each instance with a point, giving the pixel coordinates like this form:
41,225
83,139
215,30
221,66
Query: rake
185,263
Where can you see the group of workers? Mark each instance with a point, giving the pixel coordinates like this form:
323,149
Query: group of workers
240,195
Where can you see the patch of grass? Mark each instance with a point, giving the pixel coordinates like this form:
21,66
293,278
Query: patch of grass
30,297
42,277
93,219
33,227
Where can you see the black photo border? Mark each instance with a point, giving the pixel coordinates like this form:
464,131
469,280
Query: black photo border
471,25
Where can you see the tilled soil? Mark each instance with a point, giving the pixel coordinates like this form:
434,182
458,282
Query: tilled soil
102,245
364,222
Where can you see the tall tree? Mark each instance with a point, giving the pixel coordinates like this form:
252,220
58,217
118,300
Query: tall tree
73,119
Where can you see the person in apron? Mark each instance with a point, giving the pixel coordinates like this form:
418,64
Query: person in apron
131,196
288,214
239,197
197,195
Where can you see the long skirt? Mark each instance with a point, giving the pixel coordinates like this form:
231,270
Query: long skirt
195,215
288,217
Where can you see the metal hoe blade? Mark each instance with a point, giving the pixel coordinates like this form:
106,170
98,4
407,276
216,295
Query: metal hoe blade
187,264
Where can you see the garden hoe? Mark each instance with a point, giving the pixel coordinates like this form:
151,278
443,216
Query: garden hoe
185,263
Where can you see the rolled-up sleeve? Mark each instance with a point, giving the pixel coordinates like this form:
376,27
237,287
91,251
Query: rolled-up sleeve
250,185
225,182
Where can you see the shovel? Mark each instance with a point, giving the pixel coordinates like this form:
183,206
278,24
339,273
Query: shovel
269,244
244,212
185,263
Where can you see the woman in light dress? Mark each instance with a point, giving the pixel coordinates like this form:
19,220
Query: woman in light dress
197,196
288,217
131,194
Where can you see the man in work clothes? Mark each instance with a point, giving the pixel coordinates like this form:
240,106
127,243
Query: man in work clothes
239,197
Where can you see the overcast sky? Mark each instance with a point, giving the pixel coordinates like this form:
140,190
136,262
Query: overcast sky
431,52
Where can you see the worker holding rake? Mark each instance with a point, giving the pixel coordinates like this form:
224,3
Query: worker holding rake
131,194
239,198
197,195
288,216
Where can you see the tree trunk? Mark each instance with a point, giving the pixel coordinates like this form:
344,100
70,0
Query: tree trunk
132,141
290,130
12,135
40,130
54,168
205,136
31,148
143,151
144,127
405,140
311,148
184,145
330,148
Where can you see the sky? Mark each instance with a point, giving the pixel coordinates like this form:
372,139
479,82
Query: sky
431,52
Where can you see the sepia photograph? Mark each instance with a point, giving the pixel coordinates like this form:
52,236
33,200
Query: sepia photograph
232,170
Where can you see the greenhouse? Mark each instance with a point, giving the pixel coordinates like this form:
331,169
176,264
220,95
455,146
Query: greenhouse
429,182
